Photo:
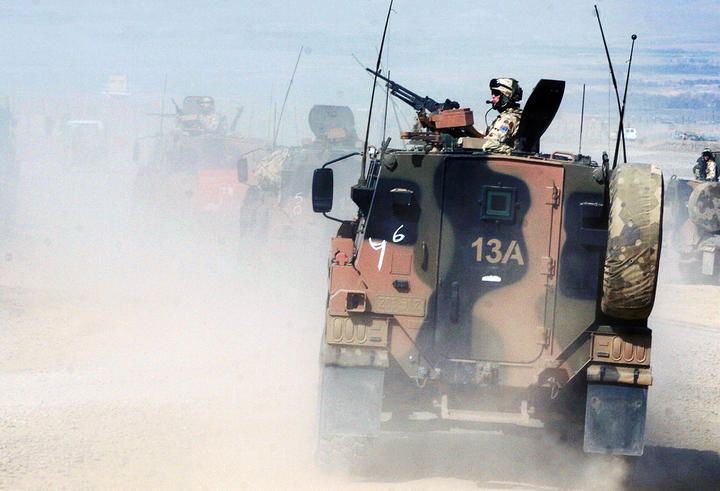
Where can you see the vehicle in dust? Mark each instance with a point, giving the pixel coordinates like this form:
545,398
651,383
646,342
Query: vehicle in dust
197,169
693,224
277,205
499,291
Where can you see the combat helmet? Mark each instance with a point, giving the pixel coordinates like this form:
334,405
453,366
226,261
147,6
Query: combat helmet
509,90
206,104
707,152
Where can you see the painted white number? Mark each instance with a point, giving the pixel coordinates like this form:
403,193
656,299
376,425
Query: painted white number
297,208
495,253
397,236
379,246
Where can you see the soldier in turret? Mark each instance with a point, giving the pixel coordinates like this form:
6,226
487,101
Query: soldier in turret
500,136
706,169
210,120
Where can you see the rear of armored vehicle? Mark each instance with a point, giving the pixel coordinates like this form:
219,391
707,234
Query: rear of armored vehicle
693,223
469,294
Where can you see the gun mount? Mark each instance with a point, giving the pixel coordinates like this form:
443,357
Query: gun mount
435,117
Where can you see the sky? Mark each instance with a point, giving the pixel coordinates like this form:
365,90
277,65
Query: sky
247,50
236,46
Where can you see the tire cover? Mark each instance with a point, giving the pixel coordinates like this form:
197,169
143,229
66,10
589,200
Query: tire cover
634,238
704,206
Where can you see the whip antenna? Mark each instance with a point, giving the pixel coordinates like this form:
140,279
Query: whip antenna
372,98
582,117
612,74
162,118
287,92
622,109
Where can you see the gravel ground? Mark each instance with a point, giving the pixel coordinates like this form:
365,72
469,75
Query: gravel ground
179,390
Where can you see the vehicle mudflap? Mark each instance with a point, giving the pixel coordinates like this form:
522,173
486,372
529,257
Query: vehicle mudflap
351,400
615,419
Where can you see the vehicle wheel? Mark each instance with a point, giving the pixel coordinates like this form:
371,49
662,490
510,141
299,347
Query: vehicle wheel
634,239
349,407
342,454
704,206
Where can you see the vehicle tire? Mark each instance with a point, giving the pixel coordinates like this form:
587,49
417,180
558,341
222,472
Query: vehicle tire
704,206
342,454
634,239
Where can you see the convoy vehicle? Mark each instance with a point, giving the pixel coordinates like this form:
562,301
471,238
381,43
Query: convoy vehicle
488,290
693,225
198,171
278,204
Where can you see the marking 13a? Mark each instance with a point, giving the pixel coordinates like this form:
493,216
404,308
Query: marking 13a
493,251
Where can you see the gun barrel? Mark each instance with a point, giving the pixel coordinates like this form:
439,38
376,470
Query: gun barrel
407,96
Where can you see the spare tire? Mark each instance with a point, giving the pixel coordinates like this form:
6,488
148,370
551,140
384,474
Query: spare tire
634,238
704,206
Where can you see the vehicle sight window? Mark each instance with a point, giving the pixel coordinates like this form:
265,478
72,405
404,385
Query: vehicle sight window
498,203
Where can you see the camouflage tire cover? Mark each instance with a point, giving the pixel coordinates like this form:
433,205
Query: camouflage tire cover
634,238
704,206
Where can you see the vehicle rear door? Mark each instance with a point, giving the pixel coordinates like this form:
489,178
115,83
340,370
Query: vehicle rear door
499,241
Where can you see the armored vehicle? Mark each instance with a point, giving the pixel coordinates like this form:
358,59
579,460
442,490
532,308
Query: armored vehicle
195,170
277,203
693,222
488,290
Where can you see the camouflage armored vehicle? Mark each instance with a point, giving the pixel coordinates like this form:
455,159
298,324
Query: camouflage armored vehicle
277,203
195,170
497,291
693,223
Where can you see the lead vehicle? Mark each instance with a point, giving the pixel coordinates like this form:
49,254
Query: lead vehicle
503,291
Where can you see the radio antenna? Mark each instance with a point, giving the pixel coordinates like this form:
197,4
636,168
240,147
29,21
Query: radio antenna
582,118
622,109
387,96
362,180
287,92
612,74
162,118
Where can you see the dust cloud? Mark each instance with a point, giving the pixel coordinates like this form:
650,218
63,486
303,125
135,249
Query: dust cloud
139,352
143,349
148,344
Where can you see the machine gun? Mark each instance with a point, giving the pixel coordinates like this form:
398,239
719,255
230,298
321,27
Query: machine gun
436,117
411,98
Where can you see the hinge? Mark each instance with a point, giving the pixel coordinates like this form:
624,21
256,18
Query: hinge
543,336
553,196
548,266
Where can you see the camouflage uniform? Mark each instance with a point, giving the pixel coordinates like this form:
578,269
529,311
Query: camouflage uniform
706,170
711,170
211,122
500,135
267,173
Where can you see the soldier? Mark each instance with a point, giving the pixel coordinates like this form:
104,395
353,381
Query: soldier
500,136
706,169
210,120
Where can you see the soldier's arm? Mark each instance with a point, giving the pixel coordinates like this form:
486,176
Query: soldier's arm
711,171
502,133
494,146
508,128
696,170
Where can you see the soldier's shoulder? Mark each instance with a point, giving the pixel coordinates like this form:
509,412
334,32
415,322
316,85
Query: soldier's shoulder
511,114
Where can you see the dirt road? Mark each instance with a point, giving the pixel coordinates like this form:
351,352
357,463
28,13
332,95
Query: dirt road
133,365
